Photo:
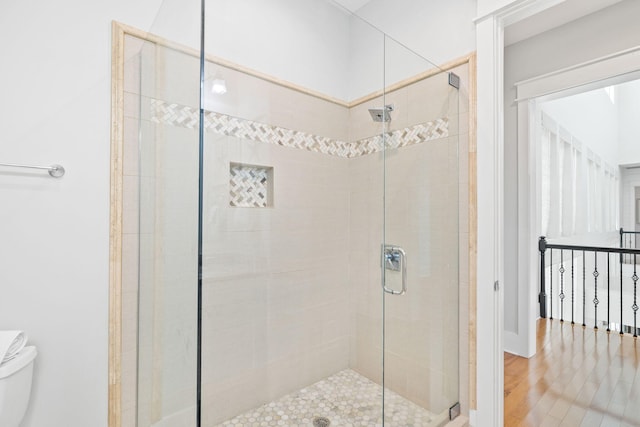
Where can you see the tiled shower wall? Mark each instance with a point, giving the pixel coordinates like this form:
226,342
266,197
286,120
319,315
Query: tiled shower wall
426,203
292,290
275,278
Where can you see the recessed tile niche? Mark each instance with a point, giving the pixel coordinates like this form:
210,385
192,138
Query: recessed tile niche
250,186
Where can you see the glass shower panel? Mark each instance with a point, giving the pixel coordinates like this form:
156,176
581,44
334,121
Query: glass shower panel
287,229
167,103
420,251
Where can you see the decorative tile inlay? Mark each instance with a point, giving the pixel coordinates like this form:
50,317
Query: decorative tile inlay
249,186
174,114
183,116
402,137
346,399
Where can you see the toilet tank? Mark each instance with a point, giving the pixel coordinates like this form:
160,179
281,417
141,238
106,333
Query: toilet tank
15,387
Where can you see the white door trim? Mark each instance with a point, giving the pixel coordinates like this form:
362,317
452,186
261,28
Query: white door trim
490,183
624,64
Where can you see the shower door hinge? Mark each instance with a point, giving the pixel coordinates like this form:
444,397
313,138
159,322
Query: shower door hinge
454,80
454,411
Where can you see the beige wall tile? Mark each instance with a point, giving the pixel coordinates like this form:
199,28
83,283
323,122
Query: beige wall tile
132,73
131,105
361,125
130,155
428,99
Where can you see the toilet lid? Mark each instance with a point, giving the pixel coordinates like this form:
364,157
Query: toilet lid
23,358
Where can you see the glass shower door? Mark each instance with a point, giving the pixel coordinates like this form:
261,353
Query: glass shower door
419,254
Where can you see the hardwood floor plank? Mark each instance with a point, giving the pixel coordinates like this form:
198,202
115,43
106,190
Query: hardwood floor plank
578,377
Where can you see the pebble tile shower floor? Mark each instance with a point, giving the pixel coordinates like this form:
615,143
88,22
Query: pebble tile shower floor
347,399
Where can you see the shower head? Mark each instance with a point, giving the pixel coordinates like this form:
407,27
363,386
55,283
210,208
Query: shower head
381,114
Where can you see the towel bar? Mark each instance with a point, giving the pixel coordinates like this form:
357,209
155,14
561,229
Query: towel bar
55,171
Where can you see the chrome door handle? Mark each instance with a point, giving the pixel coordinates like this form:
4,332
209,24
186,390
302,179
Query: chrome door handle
394,258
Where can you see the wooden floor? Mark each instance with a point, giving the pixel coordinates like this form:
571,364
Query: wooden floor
578,377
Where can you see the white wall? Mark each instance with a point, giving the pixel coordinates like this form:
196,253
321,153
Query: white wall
611,130
320,46
301,41
570,44
54,255
305,42
592,118
629,111
436,30
330,51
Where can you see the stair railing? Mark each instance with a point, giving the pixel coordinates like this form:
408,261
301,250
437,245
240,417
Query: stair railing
588,280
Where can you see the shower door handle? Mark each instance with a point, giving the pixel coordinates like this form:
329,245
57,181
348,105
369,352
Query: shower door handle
394,258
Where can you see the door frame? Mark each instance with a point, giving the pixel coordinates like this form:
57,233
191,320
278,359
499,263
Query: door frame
614,68
494,17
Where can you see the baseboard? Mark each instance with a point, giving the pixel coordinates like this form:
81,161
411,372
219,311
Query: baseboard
513,344
472,418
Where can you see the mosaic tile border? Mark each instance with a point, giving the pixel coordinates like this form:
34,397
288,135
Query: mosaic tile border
222,124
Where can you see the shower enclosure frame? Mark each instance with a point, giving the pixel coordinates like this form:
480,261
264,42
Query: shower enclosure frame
116,230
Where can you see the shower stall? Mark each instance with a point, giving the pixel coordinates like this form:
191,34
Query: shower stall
294,221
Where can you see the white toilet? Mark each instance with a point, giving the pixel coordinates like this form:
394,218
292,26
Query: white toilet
15,387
